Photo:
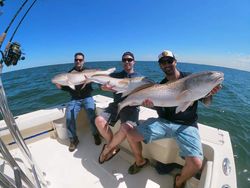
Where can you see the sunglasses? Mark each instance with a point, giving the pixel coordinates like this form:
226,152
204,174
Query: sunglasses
127,60
79,60
166,61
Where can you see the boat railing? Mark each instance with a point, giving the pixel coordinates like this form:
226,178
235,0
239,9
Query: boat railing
5,182
19,174
16,135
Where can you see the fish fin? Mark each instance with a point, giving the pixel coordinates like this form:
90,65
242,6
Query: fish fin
125,93
111,70
83,86
120,91
137,89
183,94
182,107
207,100
120,107
72,86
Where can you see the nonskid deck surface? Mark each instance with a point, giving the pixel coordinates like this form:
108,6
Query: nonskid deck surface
80,168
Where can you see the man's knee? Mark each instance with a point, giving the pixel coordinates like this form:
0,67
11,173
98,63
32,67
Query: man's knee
100,122
194,162
126,128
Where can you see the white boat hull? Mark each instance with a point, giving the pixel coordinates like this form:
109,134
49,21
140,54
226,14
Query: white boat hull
81,168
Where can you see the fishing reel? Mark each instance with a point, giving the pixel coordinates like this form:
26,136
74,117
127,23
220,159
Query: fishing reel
1,3
12,54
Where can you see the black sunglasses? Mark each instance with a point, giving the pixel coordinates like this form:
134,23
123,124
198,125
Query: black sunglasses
166,61
127,60
79,60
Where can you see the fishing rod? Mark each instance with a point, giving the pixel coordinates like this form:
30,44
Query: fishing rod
21,20
10,56
2,37
12,53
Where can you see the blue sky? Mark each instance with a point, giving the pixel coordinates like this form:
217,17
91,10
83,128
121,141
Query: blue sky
213,32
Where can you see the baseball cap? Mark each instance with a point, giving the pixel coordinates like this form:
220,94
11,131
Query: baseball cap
166,53
128,53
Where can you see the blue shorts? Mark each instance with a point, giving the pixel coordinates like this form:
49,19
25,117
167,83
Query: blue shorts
187,137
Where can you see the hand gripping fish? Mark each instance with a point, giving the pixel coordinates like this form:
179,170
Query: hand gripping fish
181,93
76,78
122,85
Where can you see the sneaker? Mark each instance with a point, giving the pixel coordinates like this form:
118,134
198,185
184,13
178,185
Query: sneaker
73,145
97,139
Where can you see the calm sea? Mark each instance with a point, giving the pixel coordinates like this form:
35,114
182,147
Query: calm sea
31,89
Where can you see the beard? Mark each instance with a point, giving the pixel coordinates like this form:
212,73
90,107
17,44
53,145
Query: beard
168,71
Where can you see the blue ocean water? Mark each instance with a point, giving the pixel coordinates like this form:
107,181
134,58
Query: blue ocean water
31,89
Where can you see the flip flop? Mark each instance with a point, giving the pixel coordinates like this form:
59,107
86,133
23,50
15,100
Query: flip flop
183,184
113,154
99,159
110,155
133,169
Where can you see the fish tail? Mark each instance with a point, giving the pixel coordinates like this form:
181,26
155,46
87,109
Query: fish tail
111,70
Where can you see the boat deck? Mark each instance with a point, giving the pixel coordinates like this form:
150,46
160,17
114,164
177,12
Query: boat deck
80,168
